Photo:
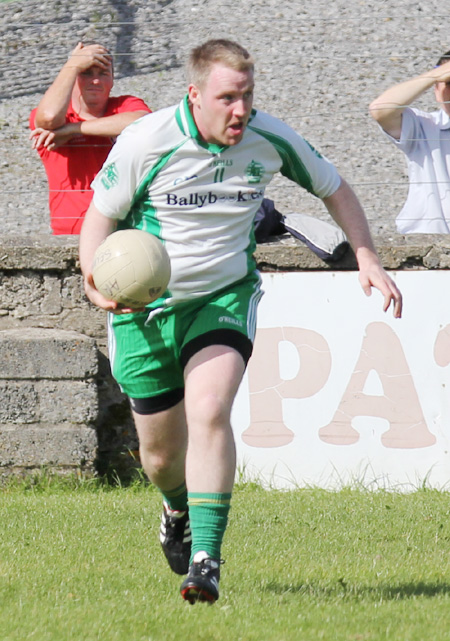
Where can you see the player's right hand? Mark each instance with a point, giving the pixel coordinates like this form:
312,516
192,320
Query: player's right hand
100,301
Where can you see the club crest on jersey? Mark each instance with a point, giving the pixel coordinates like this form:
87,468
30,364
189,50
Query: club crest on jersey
109,177
254,172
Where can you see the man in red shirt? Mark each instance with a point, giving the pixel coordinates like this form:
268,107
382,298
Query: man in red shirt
74,128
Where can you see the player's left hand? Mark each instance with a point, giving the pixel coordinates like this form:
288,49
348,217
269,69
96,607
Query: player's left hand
373,275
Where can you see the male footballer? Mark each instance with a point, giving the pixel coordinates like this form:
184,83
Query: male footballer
194,174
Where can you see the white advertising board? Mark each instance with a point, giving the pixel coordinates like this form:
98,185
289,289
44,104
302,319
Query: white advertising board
339,393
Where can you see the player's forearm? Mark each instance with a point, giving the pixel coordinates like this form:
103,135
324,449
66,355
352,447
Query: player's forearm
345,208
108,126
96,227
348,213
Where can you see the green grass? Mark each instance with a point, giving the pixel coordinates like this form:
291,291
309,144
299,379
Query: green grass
81,561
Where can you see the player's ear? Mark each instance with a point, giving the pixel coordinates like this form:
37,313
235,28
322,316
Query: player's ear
194,94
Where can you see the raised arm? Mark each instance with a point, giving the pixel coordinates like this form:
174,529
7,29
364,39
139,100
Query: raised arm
387,109
346,210
52,109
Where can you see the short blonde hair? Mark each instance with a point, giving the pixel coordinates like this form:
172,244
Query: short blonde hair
226,52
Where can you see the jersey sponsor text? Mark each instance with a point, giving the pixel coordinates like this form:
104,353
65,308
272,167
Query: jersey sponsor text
201,200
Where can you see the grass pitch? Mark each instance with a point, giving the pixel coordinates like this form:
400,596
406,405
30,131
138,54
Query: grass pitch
82,561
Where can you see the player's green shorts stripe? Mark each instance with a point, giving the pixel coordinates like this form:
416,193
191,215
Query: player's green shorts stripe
252,316
111,339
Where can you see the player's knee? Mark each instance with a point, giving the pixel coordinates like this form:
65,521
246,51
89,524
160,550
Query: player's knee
209,411
157,462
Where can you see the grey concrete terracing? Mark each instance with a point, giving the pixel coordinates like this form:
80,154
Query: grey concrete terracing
319,65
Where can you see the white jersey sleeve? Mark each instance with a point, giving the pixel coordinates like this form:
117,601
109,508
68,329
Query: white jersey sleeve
301,163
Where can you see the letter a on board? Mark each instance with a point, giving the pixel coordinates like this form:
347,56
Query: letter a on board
381,351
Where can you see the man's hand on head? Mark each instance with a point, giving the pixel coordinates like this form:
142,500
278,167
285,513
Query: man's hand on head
85,56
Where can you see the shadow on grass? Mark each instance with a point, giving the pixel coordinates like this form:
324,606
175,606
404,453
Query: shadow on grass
375,593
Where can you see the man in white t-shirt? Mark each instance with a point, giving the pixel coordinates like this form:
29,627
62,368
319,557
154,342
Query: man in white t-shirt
425,140
194,175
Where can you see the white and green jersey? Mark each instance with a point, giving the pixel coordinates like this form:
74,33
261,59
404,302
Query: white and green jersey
200,199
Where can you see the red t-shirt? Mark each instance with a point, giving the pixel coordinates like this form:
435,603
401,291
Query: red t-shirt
71,168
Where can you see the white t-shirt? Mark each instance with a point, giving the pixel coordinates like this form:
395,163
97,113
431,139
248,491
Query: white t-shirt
425,139
200,199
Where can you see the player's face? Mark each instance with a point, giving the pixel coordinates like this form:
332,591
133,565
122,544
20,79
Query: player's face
222,107
442,93
95,85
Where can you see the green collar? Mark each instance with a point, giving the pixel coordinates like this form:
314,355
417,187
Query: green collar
187,125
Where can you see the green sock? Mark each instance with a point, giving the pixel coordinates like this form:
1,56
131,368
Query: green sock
176,499
208,514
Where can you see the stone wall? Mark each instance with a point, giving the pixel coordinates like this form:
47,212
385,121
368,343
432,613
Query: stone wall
49,397
61,408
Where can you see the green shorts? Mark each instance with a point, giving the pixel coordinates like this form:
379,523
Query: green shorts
148,357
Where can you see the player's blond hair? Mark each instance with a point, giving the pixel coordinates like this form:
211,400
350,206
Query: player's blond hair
221,51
